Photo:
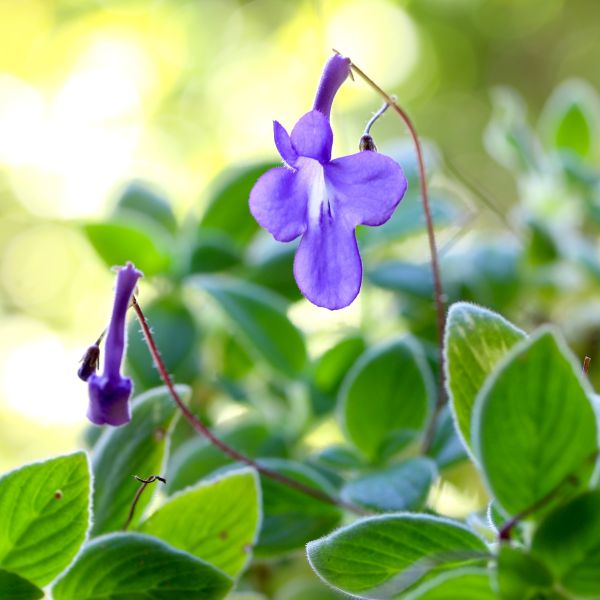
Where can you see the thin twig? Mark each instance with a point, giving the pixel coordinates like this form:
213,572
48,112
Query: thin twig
138,494
200,428
435,268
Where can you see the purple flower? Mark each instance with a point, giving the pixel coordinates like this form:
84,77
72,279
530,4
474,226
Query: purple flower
324,200
110,391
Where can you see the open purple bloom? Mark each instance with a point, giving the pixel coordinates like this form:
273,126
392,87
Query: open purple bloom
324,200
110,391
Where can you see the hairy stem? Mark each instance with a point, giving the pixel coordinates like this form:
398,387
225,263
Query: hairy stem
435,267
203,430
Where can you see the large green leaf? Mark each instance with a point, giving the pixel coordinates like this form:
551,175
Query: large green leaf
197,457
404,486
260,317
44,516
386,395
138,448
13,587
128,566
463,584
568,542
227,209
526,419
292,518
520,575
476,339
329,371
226,517
381,557
117,242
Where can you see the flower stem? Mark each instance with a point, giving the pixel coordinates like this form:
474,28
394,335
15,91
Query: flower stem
204,431
435,267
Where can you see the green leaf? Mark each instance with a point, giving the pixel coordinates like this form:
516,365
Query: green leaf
44,516
330,369
274,269
568,542
13,587
292,518
520,575
226,517
197,457
211,252
139,200
476,340
228,210
466,584
260,317
525,420
176,334
117,242
571,119
400,487
380,557
339,457
411,279
386,393
124,566
138,448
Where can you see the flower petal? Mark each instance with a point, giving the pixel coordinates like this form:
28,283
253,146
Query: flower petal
278,202
366,186
327,266
109,400
336,70
312,136
284,144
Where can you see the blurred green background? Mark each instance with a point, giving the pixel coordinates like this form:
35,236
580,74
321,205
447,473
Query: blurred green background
97,94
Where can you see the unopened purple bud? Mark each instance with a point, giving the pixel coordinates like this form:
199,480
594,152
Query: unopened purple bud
89,362
109,392
367,143
336,70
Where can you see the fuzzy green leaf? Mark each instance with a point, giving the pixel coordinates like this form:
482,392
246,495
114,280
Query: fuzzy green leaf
381,557
476,339
525,420
124,566
226,516
138,448
44,516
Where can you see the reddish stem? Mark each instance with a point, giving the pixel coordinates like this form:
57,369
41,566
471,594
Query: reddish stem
200,428
435,267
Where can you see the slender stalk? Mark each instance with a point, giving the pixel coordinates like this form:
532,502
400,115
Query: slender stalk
203,430
138,495
435,268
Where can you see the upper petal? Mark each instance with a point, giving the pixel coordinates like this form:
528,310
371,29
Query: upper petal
366,186
278,202
327,266
284,144
312,136
336,70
